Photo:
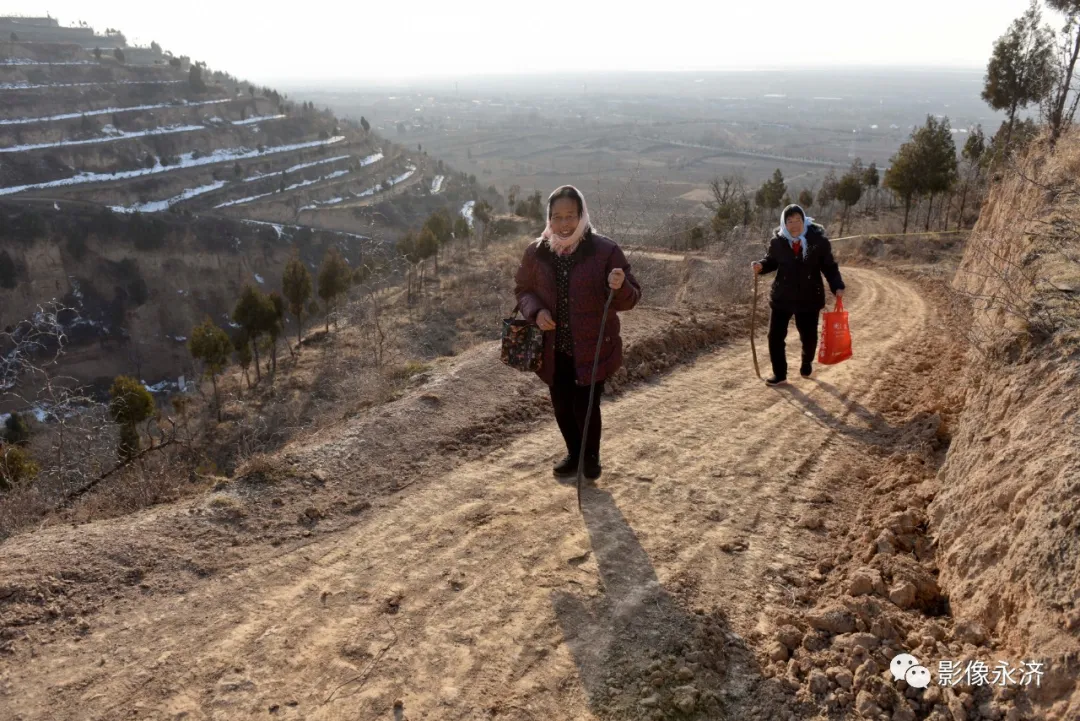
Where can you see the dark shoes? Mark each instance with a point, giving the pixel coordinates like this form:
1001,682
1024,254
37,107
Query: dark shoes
567,468
805,370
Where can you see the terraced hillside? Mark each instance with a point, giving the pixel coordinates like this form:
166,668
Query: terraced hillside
145,190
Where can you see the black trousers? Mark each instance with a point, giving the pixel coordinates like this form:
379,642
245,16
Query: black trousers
571,402
807,323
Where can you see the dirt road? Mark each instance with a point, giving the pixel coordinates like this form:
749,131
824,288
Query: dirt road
485,594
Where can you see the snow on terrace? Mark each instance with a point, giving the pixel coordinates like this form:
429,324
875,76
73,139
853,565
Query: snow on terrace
467,212
303,184
224,155
258,119
370,191
158,206
33,86
111,138
436,185
294,186
109,111
294,168
26,61
280,229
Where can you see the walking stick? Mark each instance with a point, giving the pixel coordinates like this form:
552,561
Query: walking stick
753,319
592,393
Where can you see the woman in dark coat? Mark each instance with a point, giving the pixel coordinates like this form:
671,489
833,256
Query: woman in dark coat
800,254
562,285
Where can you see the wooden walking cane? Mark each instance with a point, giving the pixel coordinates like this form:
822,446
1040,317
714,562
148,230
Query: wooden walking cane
753,318
592,393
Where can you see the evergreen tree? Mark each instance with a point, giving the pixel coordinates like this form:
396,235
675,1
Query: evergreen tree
771,193
297,285
334,280
210,344
16,465
903,177
937,153
848,192
275,326
254,312
1021,69
16,430
129,404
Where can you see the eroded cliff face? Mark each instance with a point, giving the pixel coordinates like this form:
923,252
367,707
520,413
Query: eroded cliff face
1007,518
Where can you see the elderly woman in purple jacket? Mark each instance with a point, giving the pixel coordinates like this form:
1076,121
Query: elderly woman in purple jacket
562,285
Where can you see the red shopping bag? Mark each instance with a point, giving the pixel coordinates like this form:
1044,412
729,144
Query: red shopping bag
835,337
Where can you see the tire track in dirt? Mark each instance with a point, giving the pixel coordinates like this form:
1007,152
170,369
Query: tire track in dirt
483,594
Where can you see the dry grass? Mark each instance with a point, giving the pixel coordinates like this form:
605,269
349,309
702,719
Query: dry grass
337,375
1022,269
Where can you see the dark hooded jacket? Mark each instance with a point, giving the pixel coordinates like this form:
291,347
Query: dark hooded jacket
798,287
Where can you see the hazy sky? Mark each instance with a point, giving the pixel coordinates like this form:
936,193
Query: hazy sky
369,40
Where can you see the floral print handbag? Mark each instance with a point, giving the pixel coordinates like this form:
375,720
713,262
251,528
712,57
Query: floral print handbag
522,343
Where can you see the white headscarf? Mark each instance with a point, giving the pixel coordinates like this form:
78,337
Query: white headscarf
787,233
566,246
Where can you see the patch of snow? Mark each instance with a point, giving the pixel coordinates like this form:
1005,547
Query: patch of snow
26,61
404,176
56,206
294,186
225,155
371,159
276,226
467,212
162,387
294,168
775,95
31,86
258,119
259,279
180,338
369,192
158,206
112,137
436,185
281,229
108,111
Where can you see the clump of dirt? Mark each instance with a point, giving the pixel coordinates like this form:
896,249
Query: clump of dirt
881,594
1005,518
681,678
